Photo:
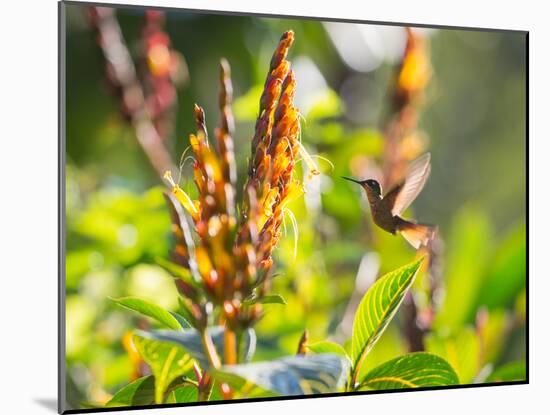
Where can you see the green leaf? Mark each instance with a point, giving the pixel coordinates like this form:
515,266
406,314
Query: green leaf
493,334
461,349
507,272
167,361
377,308
509,372
390,346
191,341
140,392
266,299
184,394
469,242
216,394
185,312
153,311
177,271
411,371
293,375
326,346
181,320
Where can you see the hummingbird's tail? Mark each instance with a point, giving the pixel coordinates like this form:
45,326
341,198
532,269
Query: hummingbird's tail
416,234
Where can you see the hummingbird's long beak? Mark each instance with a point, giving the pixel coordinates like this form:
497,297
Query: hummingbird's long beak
351,180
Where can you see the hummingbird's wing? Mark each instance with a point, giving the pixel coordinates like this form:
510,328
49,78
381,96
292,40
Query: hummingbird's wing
401,196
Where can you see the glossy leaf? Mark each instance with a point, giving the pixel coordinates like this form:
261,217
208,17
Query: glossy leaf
377,308
181,320
191,341
167,361
140,392
294,375
390,346
153,311
183,394
411,371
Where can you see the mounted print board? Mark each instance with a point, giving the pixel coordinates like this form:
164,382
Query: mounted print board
260,207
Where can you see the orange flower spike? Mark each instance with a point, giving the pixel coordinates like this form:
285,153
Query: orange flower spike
232,262
278,69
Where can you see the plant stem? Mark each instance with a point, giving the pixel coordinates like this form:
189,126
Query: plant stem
206,384
302,344
210,350
230,346
356,370
205,388
413,333
353,381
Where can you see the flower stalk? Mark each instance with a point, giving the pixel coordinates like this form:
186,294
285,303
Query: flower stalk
229,256
146,89
403,143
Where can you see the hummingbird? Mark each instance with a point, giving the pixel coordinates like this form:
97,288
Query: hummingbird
386,210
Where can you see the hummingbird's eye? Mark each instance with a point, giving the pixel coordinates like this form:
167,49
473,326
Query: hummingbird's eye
373,184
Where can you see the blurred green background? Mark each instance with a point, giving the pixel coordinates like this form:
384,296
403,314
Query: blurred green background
474,121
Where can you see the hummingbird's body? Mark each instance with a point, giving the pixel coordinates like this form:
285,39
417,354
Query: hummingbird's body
386,210
381,214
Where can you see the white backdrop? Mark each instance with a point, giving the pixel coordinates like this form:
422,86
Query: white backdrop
28,207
